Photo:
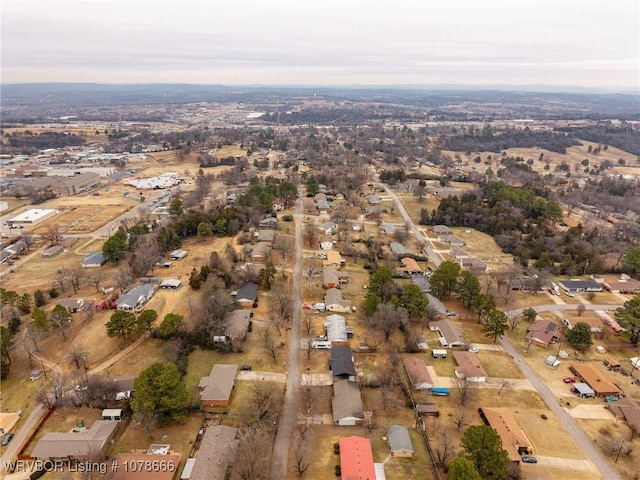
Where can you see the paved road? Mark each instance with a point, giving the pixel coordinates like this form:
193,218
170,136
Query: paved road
564,306
587,446
290,408
22,435
422,239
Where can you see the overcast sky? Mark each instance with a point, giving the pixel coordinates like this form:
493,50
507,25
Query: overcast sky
590,43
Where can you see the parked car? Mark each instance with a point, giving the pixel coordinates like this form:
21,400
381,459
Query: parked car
610,399
569,380
529,459
306,306
6,439
245,367
473,349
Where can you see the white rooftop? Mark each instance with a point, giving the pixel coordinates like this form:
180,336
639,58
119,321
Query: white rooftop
32,215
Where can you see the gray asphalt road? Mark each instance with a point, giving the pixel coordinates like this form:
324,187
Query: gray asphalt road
587,446
21,435
290,408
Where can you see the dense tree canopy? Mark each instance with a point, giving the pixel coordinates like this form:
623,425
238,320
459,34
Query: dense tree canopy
121,324
160,392
495,324
483,447
628,316
579,337
461,468
631,262
445,279
115,247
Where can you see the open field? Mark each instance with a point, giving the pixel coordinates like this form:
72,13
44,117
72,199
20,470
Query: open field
86,217
573,157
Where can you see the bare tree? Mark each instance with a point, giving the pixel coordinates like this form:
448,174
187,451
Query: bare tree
77,355
280,304
310,392
270,346
52,234
444,450
96,278
250,462
308,270
123,278
514,318
284,246
613,445
370,423
76,277
311,234
460,418
144,256
504,383
464,390
302,453
307,323
61,278
580,309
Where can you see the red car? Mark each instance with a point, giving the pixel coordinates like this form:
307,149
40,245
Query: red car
569,380
306,306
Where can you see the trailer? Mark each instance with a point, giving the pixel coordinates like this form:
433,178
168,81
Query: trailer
441,391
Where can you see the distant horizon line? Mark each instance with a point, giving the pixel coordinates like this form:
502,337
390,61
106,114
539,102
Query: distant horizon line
536,87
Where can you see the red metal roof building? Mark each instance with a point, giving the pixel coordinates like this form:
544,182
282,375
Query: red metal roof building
356,459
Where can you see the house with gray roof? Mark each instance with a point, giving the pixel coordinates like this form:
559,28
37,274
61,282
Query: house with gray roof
575,286
334,301
347,407
336,329
398,249
76,445
93,260
399,441
247,294
341,362
450,336
136,298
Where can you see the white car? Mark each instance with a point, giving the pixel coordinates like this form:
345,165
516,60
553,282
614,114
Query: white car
473,349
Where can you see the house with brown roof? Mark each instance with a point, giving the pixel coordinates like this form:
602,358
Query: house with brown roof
626,409
600,383
418,373
330,278
356,459
237,324
469,367
334,301
215,389
170,463
630,286
217,451
260,252
333,260
543,333
78,444
595,324
514,440
410,266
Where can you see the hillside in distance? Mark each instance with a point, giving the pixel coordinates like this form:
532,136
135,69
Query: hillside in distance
459,103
